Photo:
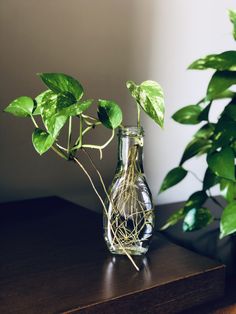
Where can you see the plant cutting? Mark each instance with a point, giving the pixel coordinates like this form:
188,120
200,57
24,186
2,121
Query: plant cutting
215,140
127,208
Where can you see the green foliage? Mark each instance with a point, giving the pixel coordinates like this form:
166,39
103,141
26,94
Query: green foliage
109,113
228,220
42,140
21,107
173,177
217,141
62,101
188,115
197,219
149,96
232,16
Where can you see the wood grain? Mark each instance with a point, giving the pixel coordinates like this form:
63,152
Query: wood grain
54,260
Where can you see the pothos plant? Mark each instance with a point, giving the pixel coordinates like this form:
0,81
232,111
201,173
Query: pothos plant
61,106
215,140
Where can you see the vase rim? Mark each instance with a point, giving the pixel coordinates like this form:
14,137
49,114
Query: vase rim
131,130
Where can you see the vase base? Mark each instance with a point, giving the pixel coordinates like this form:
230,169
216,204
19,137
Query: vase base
130,250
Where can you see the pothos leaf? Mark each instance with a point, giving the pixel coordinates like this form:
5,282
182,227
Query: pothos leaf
62,83
42,141
149,95
21,107
228,220
222,163
173,177
109,113
197,219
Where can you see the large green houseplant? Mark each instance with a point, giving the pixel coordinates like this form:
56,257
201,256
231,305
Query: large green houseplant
217,141
60,108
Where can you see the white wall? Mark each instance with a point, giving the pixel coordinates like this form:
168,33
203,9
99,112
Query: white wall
104,43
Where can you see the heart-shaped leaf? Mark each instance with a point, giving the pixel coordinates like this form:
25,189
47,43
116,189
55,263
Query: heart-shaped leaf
76,109
222,163
174,219
173,177
188,115
221,62
210,179
149,95
62,83
197,146
220,81
21,107
228,189
196,200
42,141
38,102
109,113
197,219
228,220
52,121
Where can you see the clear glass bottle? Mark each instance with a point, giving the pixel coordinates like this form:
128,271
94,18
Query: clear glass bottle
129,220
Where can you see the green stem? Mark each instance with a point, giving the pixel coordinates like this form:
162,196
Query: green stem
69,134
100,147
139,114
104,207
34,122
59,153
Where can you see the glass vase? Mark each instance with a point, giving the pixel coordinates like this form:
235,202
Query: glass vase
129,220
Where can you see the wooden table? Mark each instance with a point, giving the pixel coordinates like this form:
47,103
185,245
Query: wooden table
53,260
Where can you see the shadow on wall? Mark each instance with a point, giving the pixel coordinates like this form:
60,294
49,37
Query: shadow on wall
103,44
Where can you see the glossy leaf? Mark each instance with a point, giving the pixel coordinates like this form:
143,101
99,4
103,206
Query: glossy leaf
223,95
197,219
225,131
62,83
76,109
149,95
232,15
52,121
230,110
197,146
196,200
204,115
188,115
109,113
65,100
21,107
174,219
42,141
205,132
222,61
173,177
228,220
220,81
222,163
210,179
38,102
228,189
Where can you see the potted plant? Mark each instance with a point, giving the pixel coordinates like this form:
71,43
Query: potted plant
215,140
128,208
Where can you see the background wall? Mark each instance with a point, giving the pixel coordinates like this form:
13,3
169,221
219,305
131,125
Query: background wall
104,43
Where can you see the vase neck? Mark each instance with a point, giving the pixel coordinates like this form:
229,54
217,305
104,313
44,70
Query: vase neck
130,148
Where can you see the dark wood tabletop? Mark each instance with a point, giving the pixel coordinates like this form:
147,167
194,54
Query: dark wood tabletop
53,260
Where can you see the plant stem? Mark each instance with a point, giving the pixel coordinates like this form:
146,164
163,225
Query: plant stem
104,207
100,147
58,152
34,122
139,114
69,134
195,176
